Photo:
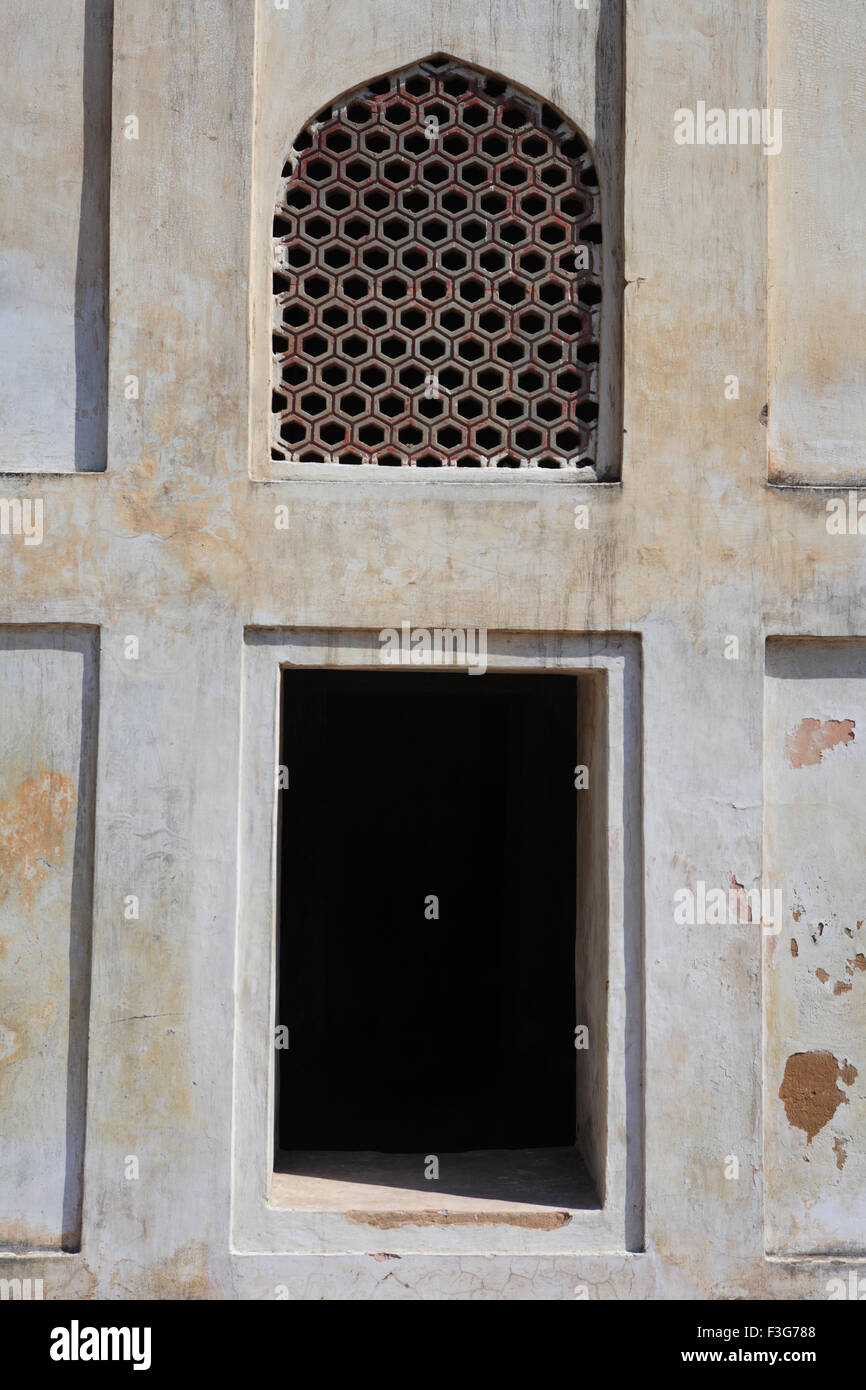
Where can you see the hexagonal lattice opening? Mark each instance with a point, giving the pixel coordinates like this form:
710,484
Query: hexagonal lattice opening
411,377
374,317
378,142
334,316
433,288
352,403
450,378
489,379
453,201
392,406
414,258
395,287
413,320
372,376
376,258
456,144
335,374
432,309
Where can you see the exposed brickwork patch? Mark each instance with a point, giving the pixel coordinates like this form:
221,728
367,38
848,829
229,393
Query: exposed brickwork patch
809,1091
812,738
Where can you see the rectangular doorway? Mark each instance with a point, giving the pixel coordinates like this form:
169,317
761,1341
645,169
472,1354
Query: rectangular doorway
427,971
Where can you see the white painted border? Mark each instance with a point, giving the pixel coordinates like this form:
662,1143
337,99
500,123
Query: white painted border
574,59
260,1228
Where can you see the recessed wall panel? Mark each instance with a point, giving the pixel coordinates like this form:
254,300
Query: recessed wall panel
817,203
815,967
54,236
48,695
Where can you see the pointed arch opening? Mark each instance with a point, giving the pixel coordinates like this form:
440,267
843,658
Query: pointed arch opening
438,280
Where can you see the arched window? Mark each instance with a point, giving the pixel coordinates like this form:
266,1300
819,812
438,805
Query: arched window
437,280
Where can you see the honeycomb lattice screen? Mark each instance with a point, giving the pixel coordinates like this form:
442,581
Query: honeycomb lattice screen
437,280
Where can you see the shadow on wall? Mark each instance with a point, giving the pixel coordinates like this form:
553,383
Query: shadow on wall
80,942
91,268
609,151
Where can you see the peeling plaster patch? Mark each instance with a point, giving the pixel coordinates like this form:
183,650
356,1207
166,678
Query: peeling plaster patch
840,1152
795,950
859,961
809,1091
841,987
32,823
386,1255
822,975
528,1220
814,737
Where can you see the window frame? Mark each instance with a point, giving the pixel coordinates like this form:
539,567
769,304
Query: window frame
609,669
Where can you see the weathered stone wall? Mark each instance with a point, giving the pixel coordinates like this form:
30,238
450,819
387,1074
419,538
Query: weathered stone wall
174,545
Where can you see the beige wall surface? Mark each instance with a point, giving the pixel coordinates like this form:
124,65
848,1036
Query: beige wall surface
48,693
817,297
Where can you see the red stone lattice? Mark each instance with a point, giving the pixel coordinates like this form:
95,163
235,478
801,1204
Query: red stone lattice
437,280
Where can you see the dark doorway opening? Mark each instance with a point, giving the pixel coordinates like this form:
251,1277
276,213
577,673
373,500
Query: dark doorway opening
411,1032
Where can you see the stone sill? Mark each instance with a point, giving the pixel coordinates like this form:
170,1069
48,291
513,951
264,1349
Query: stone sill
537,1189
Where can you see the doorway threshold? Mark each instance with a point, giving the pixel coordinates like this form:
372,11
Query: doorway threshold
536,1188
